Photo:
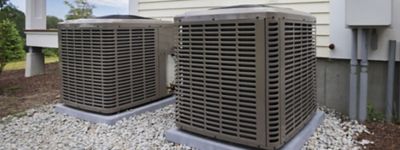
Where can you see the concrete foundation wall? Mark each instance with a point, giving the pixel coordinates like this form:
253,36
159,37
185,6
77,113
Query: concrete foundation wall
333,84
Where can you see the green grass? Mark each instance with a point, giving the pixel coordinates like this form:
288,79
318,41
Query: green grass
373,115
21,64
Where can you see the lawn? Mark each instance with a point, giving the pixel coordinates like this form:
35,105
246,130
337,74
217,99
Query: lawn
21,64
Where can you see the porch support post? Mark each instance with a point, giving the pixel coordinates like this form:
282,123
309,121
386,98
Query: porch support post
35,20
34,62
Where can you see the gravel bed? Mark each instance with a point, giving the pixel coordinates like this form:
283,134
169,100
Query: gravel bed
337,133
42,128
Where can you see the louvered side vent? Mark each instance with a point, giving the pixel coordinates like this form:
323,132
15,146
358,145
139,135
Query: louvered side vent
216,80
299,76
108,70
273,83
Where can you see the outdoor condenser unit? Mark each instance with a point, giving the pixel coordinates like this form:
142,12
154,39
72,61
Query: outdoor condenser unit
113,63
246,74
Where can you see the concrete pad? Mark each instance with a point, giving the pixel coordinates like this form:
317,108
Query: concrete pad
204,143
298,141
112,119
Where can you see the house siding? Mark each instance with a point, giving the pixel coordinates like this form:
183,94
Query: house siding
167,9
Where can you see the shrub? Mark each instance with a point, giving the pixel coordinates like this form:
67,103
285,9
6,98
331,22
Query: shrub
11,44
50,52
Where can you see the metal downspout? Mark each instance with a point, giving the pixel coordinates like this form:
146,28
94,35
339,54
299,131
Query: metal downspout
353,93
363,48
390,80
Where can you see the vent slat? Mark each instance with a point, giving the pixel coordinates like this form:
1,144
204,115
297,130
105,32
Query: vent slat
299,51
216,78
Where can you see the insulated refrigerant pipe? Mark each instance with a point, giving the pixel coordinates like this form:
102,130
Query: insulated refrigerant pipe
390,80
353,78
363,48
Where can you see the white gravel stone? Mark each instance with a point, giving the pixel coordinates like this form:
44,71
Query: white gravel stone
42,128
336,133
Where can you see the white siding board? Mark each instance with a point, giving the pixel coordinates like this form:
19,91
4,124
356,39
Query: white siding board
323,30
322,18
177,5
169,14
323,52
167,9
190,4
307,7
166,12
322,40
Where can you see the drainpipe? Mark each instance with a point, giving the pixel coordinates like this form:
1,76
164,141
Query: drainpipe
353,78
362,47
390,80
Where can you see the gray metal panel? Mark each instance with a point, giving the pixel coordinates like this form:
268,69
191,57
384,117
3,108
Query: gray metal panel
369,12
108,69
299,74
246,81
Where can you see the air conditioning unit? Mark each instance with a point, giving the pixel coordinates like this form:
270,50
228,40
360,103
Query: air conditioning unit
113,63
246,74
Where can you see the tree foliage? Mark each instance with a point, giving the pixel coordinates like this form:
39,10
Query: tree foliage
9,12
11,43
52,22
12,25
3,3
50,52
80,9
